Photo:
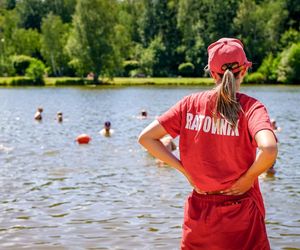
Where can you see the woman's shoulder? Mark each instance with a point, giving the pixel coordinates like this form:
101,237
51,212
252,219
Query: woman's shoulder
249,103
200,95
246,99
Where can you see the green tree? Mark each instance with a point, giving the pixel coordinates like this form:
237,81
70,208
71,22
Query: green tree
289,37
53,39
289,66
158,20
36,71
269,67
93,44
8,4
260,27
31,13
62,8
293,20
26,42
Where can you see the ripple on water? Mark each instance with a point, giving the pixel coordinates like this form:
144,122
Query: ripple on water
110,194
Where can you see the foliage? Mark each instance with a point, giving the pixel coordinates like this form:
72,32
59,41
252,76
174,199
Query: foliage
159,36
36,71
150,58
269,67
260,27
54,37
62,8
289,37
186,69
129,66
25,82
21,63
256,77
289,66
66,82
6,67
92,44
99,35
31,13
26,42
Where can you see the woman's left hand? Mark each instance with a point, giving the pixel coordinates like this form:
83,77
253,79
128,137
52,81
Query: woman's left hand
241,186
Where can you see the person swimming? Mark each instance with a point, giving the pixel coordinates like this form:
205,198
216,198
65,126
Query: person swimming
143,114
59,116
168,142
38,114
107,131
272,171
274,126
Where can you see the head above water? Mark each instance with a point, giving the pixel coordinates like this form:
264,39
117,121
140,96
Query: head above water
144,113
107,124
228,64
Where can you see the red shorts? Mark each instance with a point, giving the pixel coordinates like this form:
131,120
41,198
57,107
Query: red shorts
216,222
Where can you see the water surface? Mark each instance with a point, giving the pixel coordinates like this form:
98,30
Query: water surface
110,194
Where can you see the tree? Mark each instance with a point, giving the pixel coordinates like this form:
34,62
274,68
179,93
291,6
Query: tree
53,39
36,71
289,66
157,24
26,42
93,44
8,4
260,27
62,8
31,13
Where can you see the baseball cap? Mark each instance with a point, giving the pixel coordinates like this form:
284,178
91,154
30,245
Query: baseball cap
227,51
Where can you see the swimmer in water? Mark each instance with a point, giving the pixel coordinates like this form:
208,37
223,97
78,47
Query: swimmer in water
38,114
107,131
168,142
143,114
59,116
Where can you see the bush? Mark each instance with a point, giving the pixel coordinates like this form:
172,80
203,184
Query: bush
269,68
256,77
129,66
65,82
24,82
6,67
289,66
36,71
289,37
21,63
186,69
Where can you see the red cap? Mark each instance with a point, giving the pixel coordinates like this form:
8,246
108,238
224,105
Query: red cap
226,51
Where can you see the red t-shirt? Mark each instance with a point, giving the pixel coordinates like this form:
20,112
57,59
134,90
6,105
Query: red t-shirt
211,151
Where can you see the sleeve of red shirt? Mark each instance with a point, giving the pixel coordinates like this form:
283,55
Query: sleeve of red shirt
258,119
171,119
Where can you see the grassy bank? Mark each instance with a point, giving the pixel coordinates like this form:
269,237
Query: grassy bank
117,81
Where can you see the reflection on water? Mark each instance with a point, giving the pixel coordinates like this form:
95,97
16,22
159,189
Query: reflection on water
110,194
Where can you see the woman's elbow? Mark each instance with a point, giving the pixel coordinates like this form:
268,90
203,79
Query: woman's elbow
142,139
271,151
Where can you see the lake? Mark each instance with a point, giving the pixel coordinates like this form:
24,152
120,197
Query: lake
110,194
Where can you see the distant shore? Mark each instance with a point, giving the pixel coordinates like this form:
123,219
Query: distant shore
117,81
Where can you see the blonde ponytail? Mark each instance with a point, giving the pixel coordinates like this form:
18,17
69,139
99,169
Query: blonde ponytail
226,104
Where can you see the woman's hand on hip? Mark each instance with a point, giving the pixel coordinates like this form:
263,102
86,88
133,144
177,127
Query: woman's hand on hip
241,186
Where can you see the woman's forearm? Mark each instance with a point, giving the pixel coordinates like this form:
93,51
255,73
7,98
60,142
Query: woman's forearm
264,160
159,151
150,140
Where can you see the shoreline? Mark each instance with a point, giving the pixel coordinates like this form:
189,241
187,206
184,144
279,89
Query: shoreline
120,81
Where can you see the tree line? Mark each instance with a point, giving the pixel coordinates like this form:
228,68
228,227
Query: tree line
159,38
